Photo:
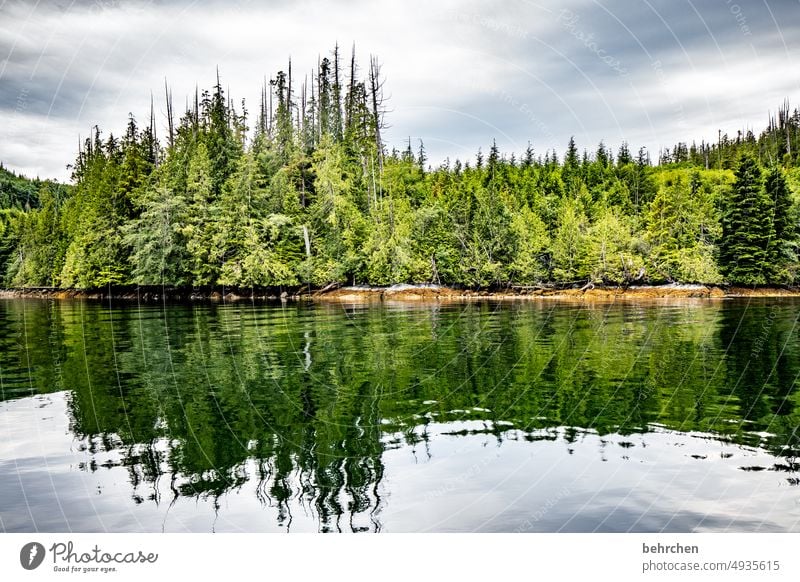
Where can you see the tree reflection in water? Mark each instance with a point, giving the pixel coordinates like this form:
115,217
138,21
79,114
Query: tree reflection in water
303,402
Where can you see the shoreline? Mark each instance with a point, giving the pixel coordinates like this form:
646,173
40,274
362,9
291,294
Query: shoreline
402,293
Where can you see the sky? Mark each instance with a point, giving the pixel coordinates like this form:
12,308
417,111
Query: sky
459,74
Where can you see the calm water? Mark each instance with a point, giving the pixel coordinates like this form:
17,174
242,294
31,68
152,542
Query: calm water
480,417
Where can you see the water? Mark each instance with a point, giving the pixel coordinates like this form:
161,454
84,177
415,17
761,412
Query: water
527,416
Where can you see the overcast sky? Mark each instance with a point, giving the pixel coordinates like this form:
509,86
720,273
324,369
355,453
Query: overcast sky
459,73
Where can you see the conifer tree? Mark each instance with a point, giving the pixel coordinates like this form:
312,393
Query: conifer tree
747,228
781,250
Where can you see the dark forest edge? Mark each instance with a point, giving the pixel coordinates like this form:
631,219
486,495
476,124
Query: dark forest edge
310,197
401,293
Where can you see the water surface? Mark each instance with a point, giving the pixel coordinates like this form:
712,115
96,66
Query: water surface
525,416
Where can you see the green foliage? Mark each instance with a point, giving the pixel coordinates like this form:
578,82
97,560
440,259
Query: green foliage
747,228
314,198
157,241
17,191
571,260
530,247
203,219
782,248
41,246
9,240
389,250
681,228
93,216
614,251
262,257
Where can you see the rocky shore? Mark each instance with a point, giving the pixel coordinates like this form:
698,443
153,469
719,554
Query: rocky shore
404,293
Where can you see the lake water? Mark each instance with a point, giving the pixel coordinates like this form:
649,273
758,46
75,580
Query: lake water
524,416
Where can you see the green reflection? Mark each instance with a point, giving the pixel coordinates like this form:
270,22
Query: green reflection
305,399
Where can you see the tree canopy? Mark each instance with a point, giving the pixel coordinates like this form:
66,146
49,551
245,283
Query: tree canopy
311,194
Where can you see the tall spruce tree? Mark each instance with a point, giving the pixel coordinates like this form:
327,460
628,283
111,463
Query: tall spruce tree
747,228
781,249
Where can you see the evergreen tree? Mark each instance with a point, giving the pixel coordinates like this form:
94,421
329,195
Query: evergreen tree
571,260
157,240
781,251
678,232
530,244
624,155
202,221
571,157
747,228
220,139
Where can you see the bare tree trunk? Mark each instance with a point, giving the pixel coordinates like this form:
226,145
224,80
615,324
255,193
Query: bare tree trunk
289,91
307,240
153,132
337,94
376,89
352,93
435,271
269,117
170,117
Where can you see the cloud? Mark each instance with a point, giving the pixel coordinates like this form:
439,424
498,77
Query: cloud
459,73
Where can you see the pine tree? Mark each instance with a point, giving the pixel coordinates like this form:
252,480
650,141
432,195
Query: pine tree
571,157
527,160
624,155
747,228
159,255
203,219
781,249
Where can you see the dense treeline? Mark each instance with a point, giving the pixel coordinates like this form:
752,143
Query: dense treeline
20,193
18,197
311,194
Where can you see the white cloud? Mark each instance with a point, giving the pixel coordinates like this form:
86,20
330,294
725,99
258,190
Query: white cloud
458,73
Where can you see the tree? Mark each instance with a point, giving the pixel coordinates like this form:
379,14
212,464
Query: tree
781,251
570,244
157,239
747,228
681,226
530,244
613,249
93,216
338,225
202,221
42,244
624,155
571,157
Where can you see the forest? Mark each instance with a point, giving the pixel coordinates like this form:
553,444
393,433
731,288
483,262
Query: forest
312,195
